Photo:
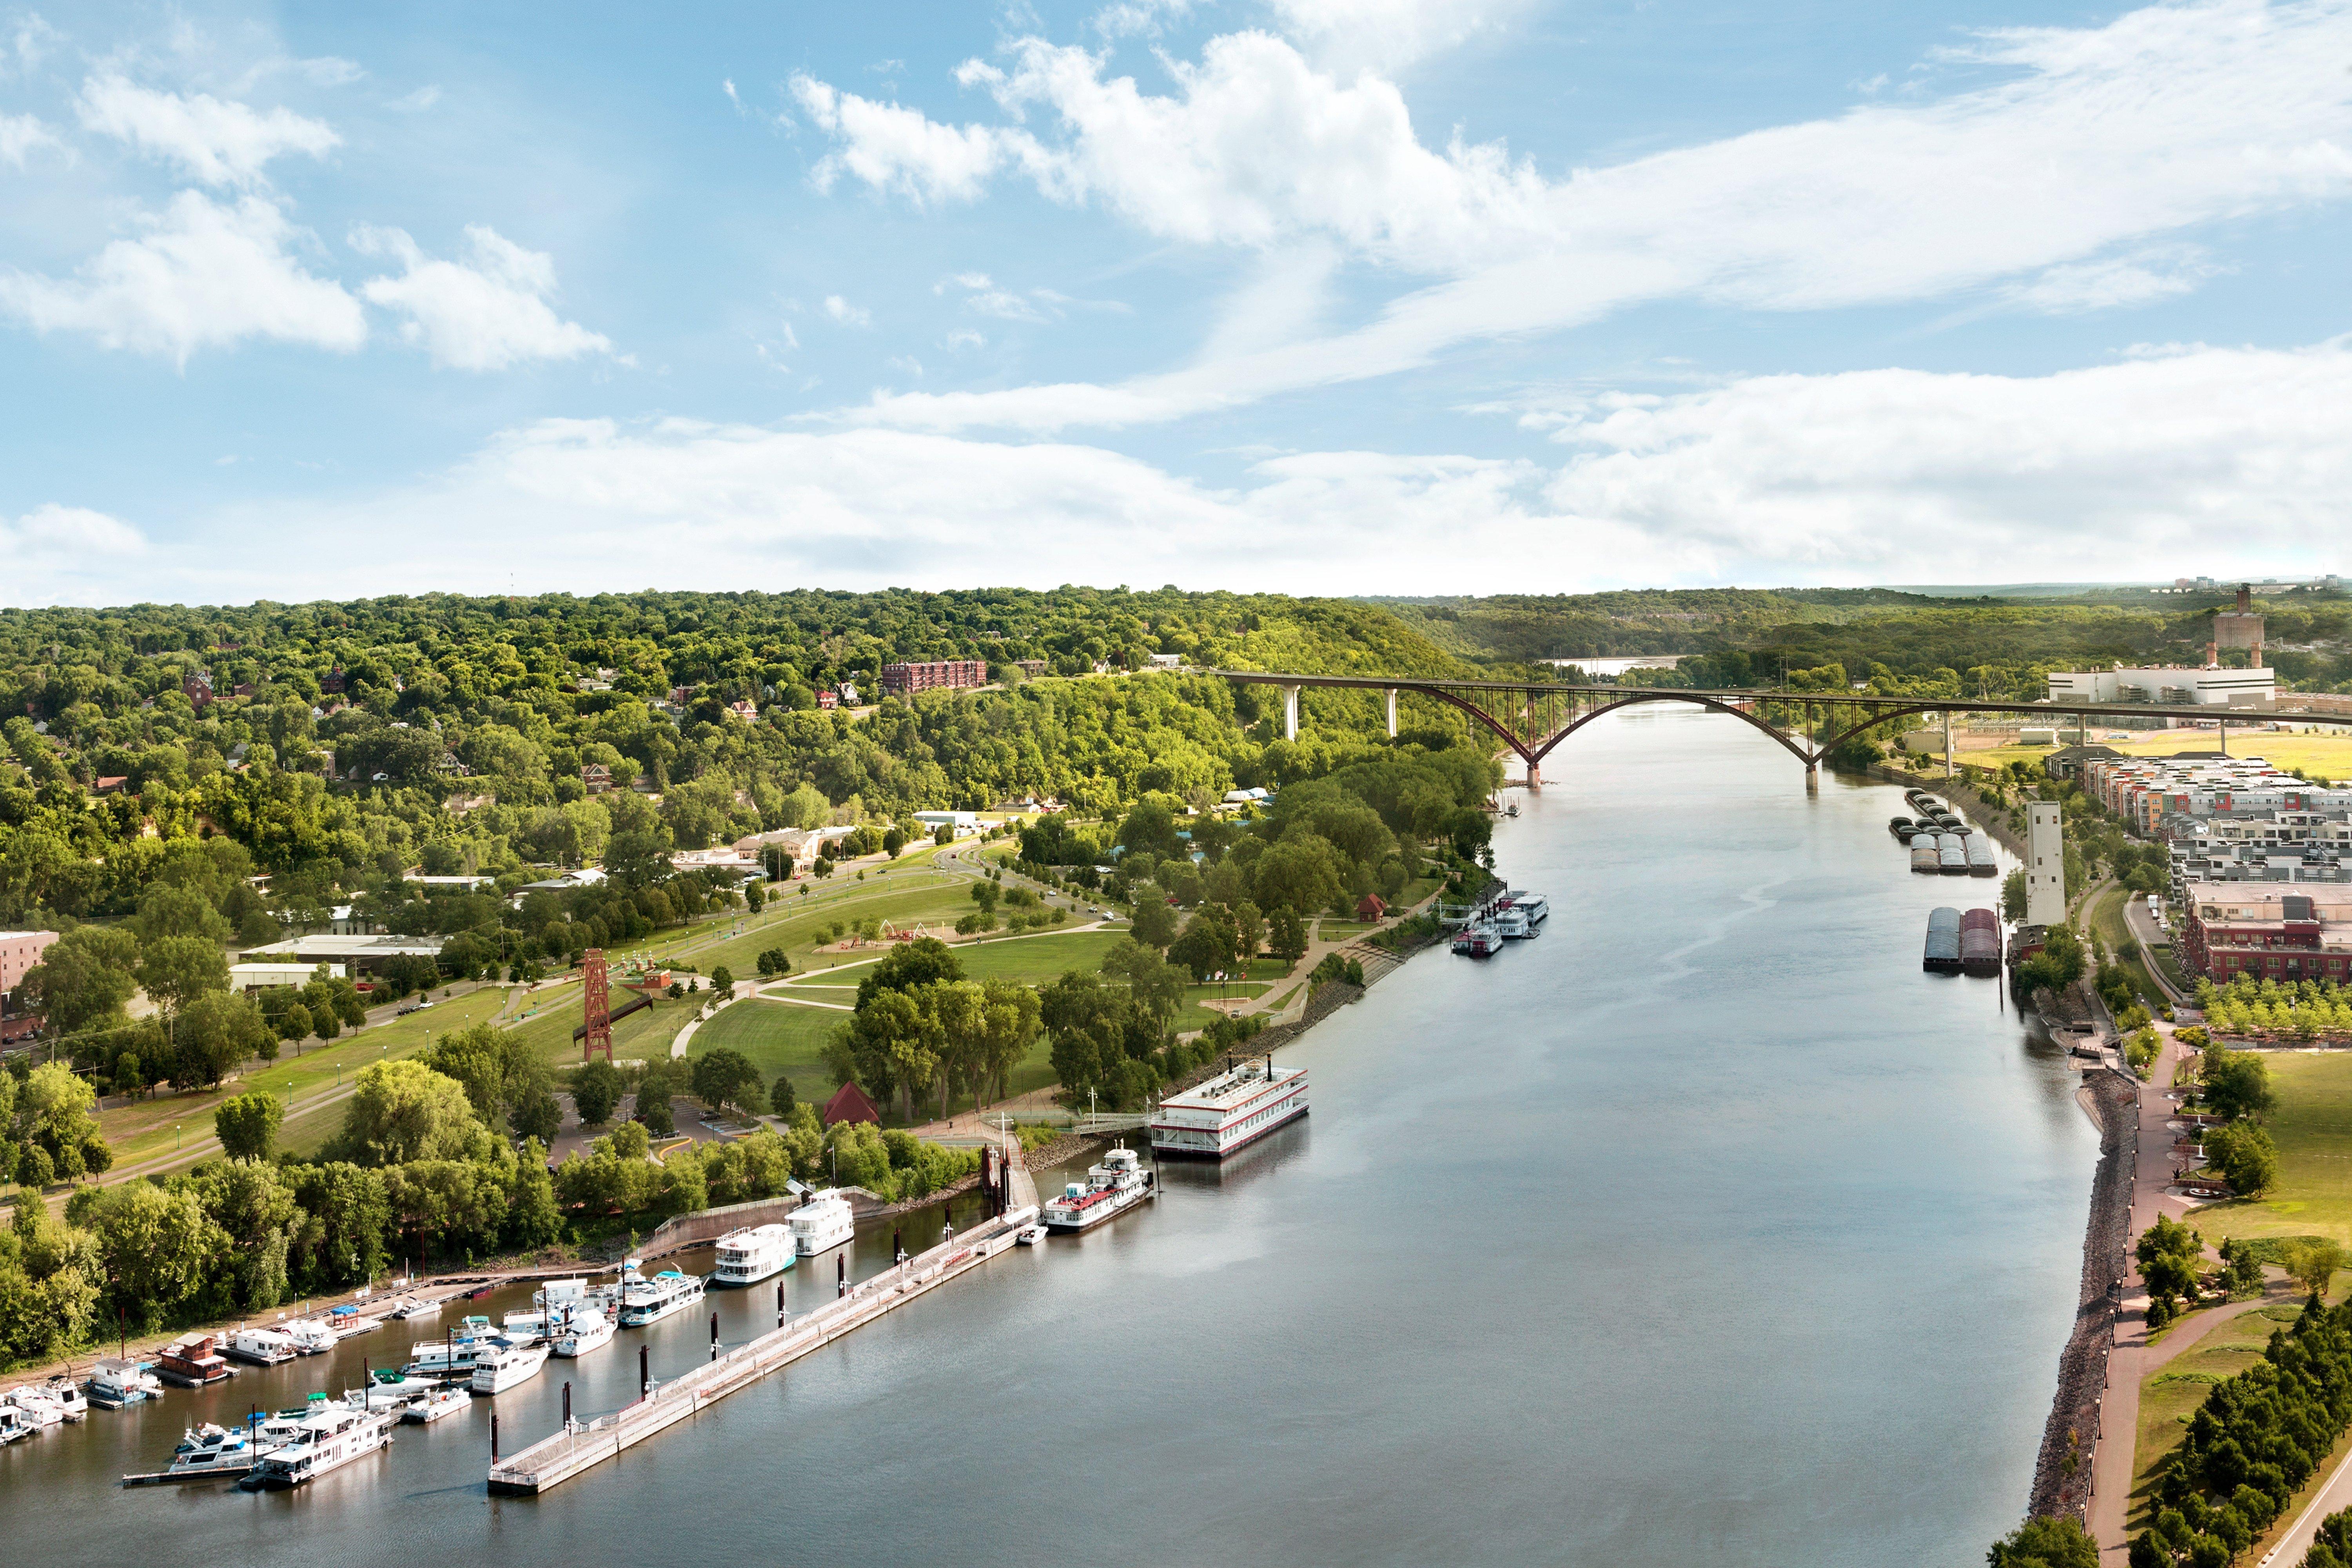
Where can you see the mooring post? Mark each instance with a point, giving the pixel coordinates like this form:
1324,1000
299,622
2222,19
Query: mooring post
567,1405
840,1276
780,1304
494,1437
644,1371
714,1336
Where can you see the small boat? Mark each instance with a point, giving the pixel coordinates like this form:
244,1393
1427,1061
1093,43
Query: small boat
309,1336
331,1437
115,1384
749,1256
823,1222
450,1359
443,1401
262,1347
1111,1188
416,1307
579,1330
207,1453
645,1301
13,1428
33,1406
506,1364
193,1363
1030,1235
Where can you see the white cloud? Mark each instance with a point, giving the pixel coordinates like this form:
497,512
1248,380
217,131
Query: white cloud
33,38
1005,305
63,553
417,103
845,313
906,364
330,70
214,142
1351,36
899,150
485,313
2090,145
963,337
202,275
19,134
2110,283
727,86
1129,18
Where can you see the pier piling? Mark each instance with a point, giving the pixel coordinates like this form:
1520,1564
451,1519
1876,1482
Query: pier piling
714,1336
780,1306
567,1405
494,1437
644,1371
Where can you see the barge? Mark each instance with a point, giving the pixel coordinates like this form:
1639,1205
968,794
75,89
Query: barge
1943,951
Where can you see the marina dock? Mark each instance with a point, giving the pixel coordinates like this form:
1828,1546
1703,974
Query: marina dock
556,1459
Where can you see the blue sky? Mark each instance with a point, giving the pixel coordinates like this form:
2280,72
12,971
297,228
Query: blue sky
1386,296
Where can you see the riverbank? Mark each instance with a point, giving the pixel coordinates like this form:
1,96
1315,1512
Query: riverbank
2062,1471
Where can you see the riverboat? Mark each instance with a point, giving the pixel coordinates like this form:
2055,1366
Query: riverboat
262,1347
1110,1189
1511,925
116,1384
749,1256
1478,942
328,1438
193,1363
579,1330
645,1301
1535,907
1943,950
823,1222
507,1363
1230,1111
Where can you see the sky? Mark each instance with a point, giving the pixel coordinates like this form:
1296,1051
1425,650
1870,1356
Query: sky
1372,297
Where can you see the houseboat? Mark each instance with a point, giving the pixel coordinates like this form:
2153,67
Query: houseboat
207,1453
506,1363
579,1330
1230,1111
309,1336
192,1363
451,1360
646,1301
823,1222
115,1384
262,1347
1110,1189
747,1257
331,1437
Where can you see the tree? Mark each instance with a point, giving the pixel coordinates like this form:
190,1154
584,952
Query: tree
892,842
2049,1542
1156,985
1288,942
1009,1023
725,1076
53,1108
943,835
985,895
2168,1253
176,969
404,1110
1154,923
773,962
2060,963
638,859
248,1126
922,961
595,1090
892,1042
83,979
2237,1083
2312,1264
213,1035
722,980
2012,896
780,1098
157,1245
2244,1155
656,1088
1249,930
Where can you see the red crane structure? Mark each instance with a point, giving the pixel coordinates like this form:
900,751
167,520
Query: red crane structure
596,1005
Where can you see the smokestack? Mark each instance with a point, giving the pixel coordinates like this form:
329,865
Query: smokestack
2257,662
2212,655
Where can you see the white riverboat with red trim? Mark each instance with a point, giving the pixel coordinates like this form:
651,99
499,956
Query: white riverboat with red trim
1230,1111
1113,1187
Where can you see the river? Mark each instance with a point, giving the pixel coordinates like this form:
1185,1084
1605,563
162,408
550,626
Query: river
1705,1229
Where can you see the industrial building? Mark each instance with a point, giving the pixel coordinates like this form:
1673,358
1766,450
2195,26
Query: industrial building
366,955
2203,686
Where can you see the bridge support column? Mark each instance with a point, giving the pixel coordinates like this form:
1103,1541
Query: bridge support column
1535,777
1391,713
1947,744
1812,778
1290,712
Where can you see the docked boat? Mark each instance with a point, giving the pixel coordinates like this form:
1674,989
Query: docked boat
823,1222
1901,827
34,1410
1535,907
1923,856
1030,1235
442,1401
114,1384
749,1256
505,1364
1512,926
527,1327
579,1330
330,1437
395,1391
1951,855
450,1360
414,1308
1230,1111
1480,940
1943,951
193,1363
209,1453
13,1428
262,1347
308,1336
1110,1189
645,1301
68,1395
1980,942
1981,862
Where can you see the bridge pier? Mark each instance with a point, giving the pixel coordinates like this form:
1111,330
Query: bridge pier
1393,712
1535,777
1290,713
1812,778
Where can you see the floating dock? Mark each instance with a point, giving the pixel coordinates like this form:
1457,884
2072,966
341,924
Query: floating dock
556,1459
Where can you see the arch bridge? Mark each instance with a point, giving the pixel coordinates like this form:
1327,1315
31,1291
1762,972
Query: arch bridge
1533,717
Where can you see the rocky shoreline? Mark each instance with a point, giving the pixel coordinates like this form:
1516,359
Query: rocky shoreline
2072,1432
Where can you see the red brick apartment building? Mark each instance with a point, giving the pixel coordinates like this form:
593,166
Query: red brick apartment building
937,675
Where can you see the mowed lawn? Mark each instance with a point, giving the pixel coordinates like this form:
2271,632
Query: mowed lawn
2313,1128
782,1038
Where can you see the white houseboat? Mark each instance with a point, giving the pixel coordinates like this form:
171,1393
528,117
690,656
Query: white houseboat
210,1453
1111,1188
645,1300
505,1363
579,1330
747,1257
328,1438
115,1384
451,1360
1230,1111
262,1347
823,1222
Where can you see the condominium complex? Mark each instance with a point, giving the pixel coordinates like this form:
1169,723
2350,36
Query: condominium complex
2268,930
937,675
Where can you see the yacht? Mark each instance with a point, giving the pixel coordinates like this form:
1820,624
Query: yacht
262,1347
328,1438
450,1359
579,1330
416,1307
394,1391
13,1425
823,1222
505,1364
1111,1188
309,1336
68,1396
747,1257
645,1301
34,1407
441,1402
115,1384
208,1452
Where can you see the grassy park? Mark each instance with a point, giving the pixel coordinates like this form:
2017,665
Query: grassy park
2313,1129
2171,1393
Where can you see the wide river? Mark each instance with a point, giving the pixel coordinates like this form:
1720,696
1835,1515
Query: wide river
1704,1229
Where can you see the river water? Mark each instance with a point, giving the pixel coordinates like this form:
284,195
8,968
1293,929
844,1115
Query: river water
1704,1229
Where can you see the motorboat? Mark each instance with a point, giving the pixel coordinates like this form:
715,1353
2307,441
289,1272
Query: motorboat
823,1222
749,1256
309,1336
114,1384
579,1330
1030,1236
33,1406
330,1437
13,1428
442,1401
414,1308
394,1391
68,1396
211,1453
646,1301
262,1347
507,1363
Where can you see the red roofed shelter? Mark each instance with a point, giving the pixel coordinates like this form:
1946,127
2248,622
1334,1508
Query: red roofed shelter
1371,907
850,1104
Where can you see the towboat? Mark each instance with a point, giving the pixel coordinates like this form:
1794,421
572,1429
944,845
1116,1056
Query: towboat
823,1222
749,1256
1111,1188
506,1364
645,1301
579,1330
330,1437
262,1347
115,1384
